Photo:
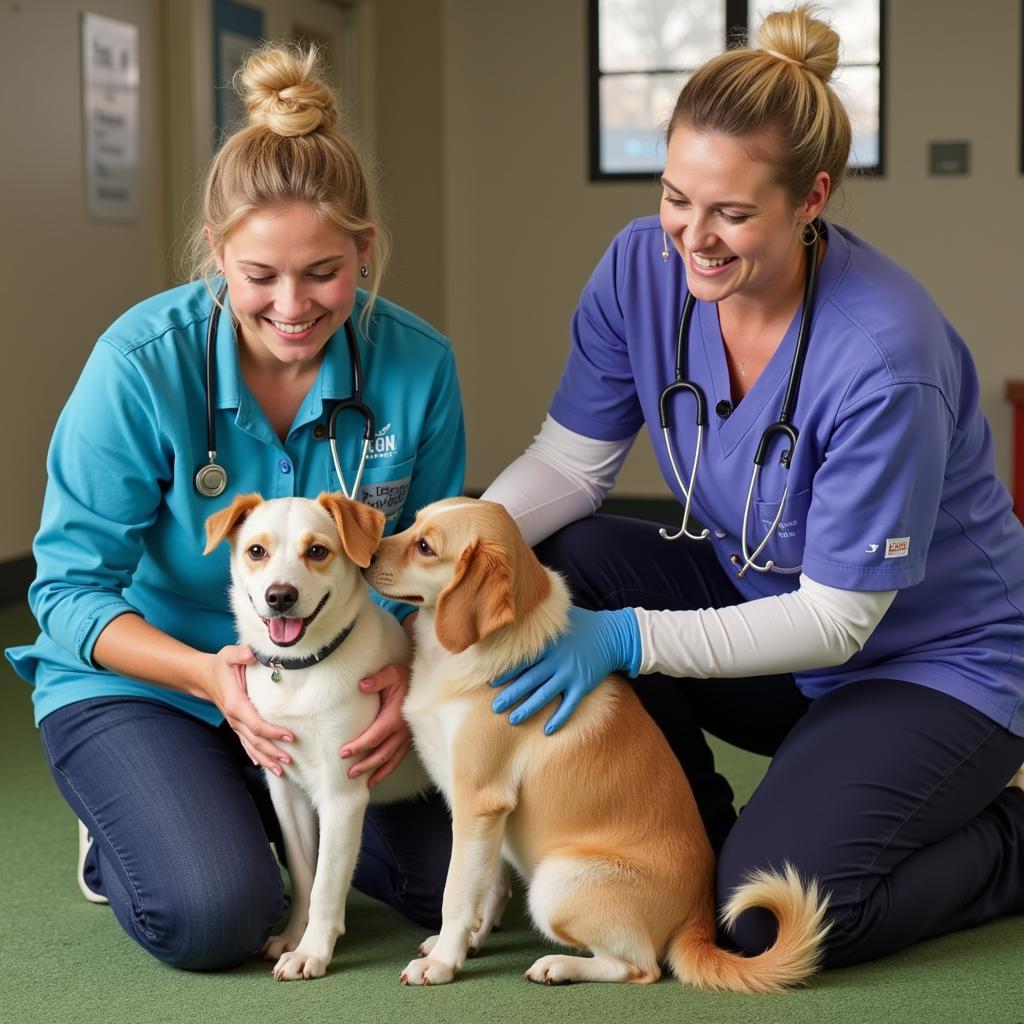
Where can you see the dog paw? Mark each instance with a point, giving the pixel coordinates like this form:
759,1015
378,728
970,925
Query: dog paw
428,972
552,970
278,944
297,966
427,946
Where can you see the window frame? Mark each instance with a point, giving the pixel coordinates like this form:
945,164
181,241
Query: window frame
736,15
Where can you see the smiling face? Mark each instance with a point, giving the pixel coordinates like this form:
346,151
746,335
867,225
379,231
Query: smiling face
291,276
288,566
737,230
295,562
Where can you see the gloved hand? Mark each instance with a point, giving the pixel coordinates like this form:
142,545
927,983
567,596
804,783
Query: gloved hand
597,643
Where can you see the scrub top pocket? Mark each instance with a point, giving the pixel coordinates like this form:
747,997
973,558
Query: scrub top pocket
786,547
383,487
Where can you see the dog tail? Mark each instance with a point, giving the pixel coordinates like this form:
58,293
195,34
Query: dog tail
697,960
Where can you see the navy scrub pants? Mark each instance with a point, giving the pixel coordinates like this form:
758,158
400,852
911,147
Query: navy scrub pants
181,821
891,795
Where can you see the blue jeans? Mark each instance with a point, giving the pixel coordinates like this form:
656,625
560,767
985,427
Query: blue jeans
181,822
891,795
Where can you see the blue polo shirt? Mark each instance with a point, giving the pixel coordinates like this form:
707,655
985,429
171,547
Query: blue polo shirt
122,525
892,484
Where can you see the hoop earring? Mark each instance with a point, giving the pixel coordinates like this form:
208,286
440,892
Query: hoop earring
810,233
664,246
364,271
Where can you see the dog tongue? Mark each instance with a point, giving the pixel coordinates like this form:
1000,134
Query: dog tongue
284,631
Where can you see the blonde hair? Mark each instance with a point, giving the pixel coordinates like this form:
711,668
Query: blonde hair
288,151
782,87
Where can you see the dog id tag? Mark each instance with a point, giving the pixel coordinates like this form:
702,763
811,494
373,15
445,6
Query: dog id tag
275,676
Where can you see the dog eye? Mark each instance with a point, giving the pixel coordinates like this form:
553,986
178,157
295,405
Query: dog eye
317,552
256,552
424,549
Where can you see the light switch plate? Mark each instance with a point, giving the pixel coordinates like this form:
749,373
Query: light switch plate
949,157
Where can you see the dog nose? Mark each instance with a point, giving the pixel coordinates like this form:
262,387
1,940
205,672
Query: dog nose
281,596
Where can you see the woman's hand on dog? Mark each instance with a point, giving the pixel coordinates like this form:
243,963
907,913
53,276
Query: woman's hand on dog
226,688
596,644
388,739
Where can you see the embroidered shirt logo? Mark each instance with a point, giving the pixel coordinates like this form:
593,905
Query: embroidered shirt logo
871,549
384,444
897,547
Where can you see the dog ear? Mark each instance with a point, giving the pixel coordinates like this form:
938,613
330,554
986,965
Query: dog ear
360,527
227,520
479,599
530,580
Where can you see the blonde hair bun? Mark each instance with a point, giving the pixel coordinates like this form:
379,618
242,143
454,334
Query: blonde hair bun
801,38
284,91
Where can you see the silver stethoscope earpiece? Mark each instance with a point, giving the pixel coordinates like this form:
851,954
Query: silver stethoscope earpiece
211,479
783,425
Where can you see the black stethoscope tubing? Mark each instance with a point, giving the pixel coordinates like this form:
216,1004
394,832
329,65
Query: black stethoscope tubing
211,478
783,425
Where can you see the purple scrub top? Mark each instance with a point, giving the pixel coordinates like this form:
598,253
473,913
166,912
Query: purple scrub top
892,484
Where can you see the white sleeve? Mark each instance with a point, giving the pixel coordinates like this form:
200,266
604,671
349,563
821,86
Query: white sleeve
813,627
563,476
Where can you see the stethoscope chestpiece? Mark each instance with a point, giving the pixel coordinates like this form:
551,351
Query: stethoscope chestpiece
211,479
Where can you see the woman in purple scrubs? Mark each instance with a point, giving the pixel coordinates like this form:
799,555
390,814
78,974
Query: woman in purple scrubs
874,645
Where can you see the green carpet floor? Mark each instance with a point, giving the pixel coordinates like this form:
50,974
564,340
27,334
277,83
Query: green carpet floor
65,960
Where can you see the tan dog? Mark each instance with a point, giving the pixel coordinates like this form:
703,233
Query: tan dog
598,818
302,606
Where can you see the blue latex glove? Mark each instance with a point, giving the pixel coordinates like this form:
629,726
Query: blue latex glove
597,643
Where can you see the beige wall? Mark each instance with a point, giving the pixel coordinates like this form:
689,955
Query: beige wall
477,112
409,128
63,278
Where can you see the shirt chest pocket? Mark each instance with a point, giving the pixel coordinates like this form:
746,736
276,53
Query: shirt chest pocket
785,547
384,486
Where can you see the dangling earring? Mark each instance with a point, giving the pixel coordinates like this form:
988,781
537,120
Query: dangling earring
664,246
364,271
810,233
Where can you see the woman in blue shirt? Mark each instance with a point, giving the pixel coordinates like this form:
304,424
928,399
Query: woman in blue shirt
139,688
875,644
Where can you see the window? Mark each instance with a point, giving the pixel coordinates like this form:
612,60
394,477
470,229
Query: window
642,51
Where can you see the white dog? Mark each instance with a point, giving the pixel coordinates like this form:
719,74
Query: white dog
302,606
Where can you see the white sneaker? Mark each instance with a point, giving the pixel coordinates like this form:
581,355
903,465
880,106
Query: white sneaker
84,845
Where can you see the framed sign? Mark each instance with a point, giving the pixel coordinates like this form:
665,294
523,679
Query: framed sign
110,97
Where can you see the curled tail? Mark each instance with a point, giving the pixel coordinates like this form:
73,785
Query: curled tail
697,960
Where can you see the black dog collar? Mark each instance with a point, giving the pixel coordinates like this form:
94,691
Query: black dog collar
310,660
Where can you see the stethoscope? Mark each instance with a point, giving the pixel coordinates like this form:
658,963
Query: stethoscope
211,479
783,425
